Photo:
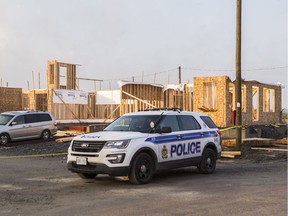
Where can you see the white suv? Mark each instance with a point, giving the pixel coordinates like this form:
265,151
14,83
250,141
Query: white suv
139,144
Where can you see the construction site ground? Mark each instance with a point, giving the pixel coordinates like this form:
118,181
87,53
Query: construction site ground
35,181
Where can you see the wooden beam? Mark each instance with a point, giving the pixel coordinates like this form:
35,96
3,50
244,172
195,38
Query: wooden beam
138,99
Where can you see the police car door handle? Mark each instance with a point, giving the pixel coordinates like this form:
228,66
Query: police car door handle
201,134
179,137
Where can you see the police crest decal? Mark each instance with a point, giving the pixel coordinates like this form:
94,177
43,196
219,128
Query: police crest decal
164,152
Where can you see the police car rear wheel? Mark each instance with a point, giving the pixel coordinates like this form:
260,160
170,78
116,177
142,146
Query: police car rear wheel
208,162
142,169
87,175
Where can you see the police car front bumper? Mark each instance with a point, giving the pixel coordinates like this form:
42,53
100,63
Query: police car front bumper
98,169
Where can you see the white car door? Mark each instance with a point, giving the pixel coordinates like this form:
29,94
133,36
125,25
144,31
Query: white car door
168,144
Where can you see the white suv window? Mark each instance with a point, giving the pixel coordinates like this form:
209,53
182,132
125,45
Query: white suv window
188,122
170,121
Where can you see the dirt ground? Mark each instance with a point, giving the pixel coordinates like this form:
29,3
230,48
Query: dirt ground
254,183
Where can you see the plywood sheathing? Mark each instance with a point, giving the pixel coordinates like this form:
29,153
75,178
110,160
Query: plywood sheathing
223,113
37,99
219,115
10,99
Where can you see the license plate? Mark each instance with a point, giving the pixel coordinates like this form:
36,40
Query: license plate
81,161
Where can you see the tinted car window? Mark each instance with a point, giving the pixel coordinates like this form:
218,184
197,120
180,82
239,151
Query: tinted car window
43,117
188,123
30,118
208,121
170,121
18,120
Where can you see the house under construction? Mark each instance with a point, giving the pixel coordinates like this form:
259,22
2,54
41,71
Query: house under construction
261,103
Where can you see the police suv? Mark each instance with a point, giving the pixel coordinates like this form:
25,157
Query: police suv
139,144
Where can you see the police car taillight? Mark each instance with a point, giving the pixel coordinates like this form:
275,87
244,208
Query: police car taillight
219,132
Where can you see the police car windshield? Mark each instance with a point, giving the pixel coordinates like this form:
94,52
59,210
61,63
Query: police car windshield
4,119
138,123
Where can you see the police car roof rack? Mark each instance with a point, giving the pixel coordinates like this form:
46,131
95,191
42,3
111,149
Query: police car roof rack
164,109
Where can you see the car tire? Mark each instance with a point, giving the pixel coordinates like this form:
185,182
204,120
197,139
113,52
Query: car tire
87,175
4,138
142,169
45,135
208,162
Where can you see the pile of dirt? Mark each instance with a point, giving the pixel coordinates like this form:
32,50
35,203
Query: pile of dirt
33,147
278,131
259,156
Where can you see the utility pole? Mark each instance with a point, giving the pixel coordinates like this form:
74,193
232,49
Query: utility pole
179,74
238,77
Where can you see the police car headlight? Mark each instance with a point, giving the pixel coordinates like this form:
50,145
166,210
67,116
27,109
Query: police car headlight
115,158
120,144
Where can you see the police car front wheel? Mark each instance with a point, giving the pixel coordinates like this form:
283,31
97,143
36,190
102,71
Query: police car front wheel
142,169
208,162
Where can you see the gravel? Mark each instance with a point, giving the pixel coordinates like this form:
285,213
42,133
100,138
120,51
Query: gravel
33,147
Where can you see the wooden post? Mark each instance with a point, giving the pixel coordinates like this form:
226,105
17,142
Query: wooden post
38,80
238,77
179,74
94,86
33,87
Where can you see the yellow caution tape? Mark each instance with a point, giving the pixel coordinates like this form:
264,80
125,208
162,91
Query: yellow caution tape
36,155
229,128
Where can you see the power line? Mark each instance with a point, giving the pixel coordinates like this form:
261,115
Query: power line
230,70
195,69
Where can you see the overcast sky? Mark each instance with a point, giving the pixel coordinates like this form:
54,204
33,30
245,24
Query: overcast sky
117,39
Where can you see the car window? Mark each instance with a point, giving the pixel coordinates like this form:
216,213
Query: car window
43,117
133,123
188,122
18,120
30,118
4,119
170,121
208,121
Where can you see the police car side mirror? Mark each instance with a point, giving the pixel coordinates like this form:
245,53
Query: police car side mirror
166,130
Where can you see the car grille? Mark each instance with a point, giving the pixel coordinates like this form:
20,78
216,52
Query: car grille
88,146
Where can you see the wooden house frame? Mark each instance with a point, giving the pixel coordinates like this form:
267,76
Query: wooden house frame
215,95
261,103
